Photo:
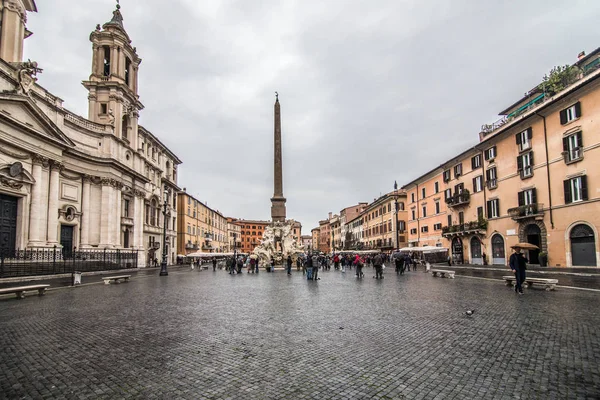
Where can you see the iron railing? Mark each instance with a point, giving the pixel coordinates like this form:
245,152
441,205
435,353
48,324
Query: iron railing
529,210
17,263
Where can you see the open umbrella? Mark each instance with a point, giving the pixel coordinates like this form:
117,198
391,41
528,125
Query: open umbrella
526,246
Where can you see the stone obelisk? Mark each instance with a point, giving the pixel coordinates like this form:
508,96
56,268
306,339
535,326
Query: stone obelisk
278,201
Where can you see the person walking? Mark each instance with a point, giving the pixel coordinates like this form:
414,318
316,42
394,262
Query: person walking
399,264
358,262
315,268
518,264
289,265
378,264
214,262
252,264
308,266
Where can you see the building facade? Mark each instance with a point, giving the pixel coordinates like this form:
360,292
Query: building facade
72,182
346,215
306,242
531,178
382,224
200,227
234,235
315,234
252,233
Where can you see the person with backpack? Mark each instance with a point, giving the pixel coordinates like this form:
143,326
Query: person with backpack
359,263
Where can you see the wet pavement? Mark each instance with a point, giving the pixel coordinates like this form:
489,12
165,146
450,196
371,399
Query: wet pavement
211,335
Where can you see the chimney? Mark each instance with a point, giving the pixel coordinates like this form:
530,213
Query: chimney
581,55
330,215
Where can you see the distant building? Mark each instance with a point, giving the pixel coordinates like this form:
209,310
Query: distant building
252,233
200,228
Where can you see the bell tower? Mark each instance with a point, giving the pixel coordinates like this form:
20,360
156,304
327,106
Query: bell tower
113,84
13,16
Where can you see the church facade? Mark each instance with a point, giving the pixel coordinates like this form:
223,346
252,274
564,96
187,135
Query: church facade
71,182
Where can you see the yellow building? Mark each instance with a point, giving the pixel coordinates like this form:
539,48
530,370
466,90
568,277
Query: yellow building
199,227
234,235
382,224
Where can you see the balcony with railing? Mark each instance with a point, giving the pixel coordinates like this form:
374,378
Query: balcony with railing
527,211
468,228
573,155
459,199
492,184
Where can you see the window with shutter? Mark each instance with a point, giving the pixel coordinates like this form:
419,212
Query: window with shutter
573,147
584,191
570,114
524,139
567,190
521,196
449,220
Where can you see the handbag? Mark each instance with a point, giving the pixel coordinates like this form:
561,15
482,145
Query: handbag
382,266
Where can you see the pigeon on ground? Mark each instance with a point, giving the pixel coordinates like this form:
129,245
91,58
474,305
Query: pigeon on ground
469,313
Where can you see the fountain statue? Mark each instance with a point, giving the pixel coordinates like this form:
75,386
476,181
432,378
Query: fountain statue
278,243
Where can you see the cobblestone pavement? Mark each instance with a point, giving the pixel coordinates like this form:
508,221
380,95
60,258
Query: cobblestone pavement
210,335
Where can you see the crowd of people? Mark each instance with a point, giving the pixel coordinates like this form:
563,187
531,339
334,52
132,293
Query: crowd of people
311,263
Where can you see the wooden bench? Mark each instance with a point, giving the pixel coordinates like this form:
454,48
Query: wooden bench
549,284
442,273
117,279
20,290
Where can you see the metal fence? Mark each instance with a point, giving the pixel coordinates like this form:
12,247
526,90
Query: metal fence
56,261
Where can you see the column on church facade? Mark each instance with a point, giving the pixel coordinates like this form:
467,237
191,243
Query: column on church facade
52,227
137,221
35,213
117,233
85,210
106,217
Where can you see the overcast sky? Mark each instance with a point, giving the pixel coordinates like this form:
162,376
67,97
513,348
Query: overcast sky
371,91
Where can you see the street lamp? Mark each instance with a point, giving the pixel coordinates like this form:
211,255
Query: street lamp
396,208
234,245
163,264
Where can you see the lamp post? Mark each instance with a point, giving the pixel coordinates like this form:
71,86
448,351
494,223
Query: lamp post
234,246
163,264
396,208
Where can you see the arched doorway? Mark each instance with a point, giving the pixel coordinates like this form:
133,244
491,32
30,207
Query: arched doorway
583,246
457,251
476,257
533,235
498,254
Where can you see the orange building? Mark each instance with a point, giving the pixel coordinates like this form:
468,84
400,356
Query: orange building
252,233
533,177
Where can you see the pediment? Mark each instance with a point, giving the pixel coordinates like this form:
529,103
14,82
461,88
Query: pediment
15,176
24,113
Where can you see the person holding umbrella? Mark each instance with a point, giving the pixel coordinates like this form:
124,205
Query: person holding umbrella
518,264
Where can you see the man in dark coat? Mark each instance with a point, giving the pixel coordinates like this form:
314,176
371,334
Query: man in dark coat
378,264
518,264
289,265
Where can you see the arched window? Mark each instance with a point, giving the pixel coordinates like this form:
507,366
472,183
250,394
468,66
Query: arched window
127,68
106,66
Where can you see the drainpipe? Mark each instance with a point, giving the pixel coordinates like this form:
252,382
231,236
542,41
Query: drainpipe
418,224
547,170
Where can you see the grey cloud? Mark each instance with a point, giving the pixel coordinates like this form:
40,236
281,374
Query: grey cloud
371,92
